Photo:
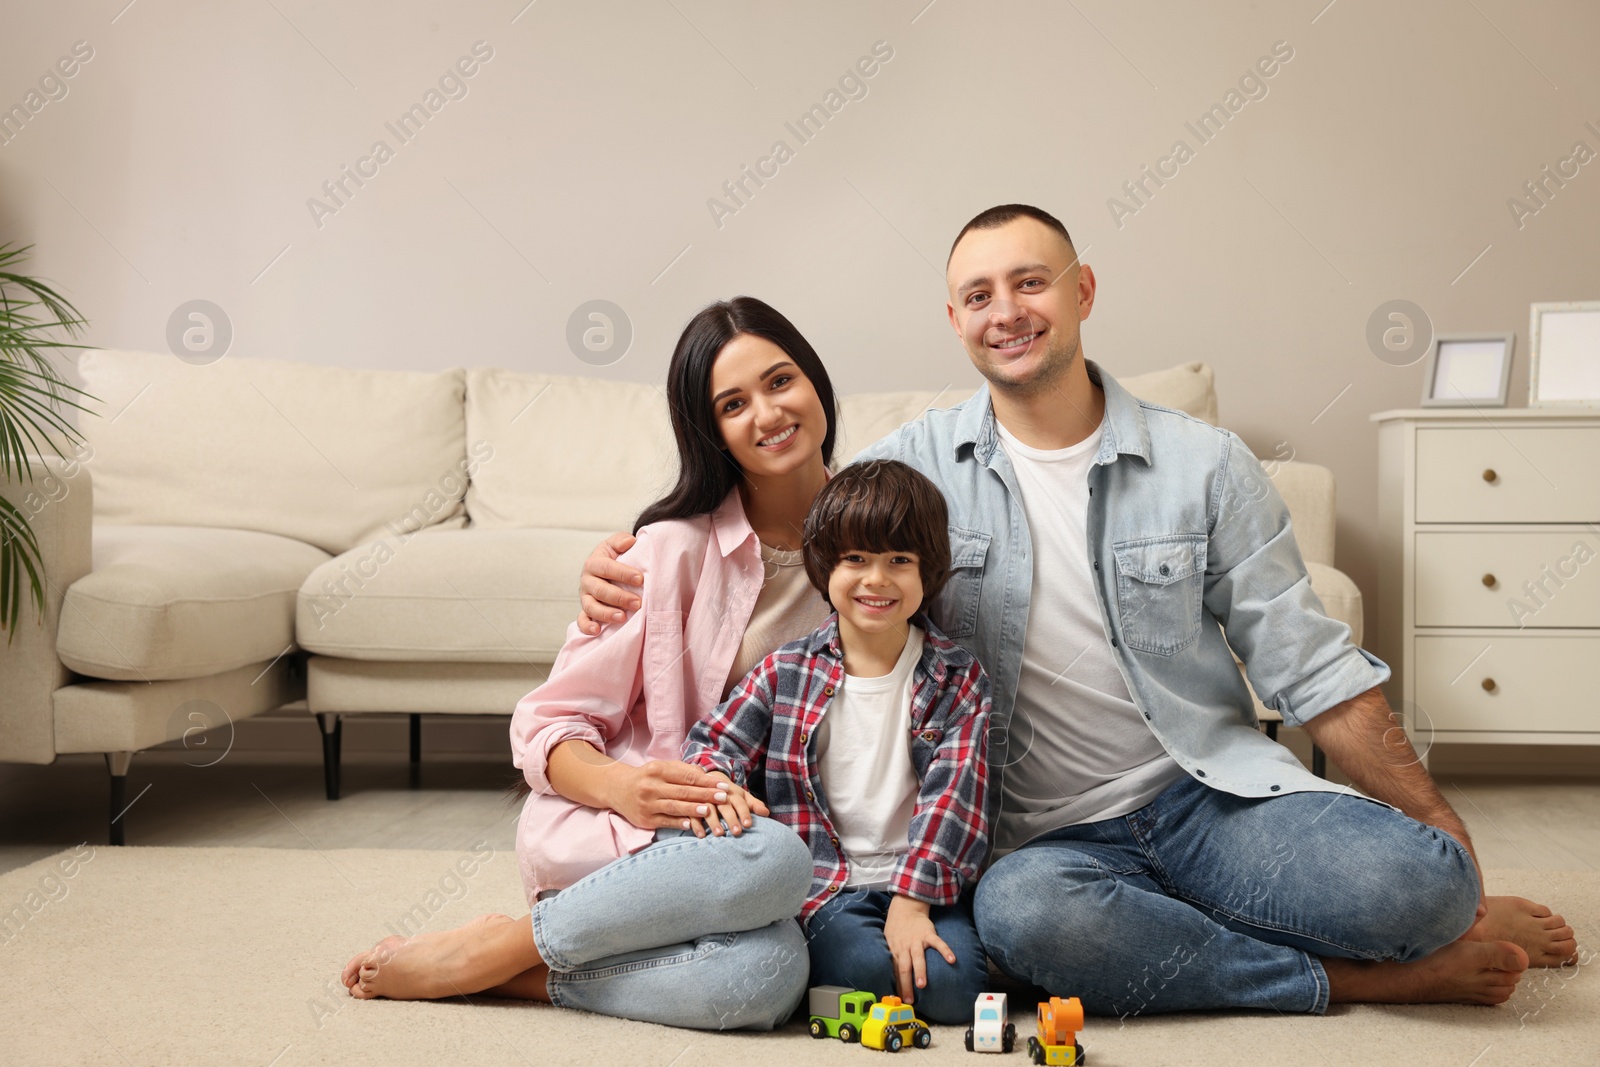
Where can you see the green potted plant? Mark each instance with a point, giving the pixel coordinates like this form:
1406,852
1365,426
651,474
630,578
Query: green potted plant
33,316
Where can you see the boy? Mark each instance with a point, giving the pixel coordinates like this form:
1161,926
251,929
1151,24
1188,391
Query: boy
870,733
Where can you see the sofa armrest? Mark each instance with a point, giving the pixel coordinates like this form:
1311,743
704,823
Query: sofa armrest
59,503
1309,493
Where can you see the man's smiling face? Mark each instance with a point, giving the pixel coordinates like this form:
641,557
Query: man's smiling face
1017,294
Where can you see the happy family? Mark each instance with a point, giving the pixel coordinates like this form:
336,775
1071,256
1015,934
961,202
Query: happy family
969,699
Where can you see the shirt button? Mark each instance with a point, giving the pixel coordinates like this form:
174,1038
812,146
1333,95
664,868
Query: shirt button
810,795
1096,564
834,841
1276,788
1165,570
833,888
827,691
802,738
1147,715
1198,771
1113,642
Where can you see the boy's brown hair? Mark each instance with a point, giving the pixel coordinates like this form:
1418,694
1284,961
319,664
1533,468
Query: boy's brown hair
879,506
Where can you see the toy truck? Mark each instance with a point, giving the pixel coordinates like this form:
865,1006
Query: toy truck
1057,1041
991,1029
891,1024
838,1012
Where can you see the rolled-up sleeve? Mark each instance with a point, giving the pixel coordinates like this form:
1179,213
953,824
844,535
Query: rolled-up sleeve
591,691
1298,660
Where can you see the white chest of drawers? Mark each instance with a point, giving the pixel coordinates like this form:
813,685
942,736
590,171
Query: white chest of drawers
1489,574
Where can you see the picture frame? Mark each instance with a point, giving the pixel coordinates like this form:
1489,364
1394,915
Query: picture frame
1468,370
1564,354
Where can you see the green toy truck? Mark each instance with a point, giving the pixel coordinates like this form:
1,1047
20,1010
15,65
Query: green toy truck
838,1012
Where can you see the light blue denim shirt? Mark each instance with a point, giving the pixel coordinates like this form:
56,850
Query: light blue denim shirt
1192,553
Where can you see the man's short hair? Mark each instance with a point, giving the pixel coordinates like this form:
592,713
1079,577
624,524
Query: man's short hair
996,217
881,505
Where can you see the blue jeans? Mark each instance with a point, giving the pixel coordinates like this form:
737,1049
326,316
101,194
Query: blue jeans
1202,899
688,931
848,949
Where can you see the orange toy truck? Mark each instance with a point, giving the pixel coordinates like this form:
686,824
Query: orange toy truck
1057,1041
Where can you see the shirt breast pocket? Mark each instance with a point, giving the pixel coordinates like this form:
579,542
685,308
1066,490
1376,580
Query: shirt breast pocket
1160,587
955,609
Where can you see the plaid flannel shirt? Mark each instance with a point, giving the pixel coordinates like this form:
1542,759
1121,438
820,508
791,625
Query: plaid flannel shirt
769,720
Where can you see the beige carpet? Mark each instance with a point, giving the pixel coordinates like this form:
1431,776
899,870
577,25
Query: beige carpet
231,955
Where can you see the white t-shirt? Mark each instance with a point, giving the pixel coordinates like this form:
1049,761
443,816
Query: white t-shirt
864,761
1089,754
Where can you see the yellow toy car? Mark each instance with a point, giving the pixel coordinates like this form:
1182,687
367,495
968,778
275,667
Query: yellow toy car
891,1024
1059,1023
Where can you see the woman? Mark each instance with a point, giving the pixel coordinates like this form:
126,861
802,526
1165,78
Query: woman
632,915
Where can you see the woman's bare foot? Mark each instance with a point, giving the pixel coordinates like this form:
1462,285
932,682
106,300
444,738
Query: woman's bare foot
1464,972
1546,938
529,985
488,951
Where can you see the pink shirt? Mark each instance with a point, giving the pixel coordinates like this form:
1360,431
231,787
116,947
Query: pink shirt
634,690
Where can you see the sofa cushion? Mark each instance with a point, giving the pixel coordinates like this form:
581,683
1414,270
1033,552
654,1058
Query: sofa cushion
568,452
324,455
166,602
865,417
479,596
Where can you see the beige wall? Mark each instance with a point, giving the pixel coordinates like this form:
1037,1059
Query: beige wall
578,165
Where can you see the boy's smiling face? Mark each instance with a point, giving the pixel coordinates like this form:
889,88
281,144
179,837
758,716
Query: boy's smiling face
876,592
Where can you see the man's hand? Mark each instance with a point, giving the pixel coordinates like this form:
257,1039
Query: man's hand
604,586
910,933
1370,745
666,793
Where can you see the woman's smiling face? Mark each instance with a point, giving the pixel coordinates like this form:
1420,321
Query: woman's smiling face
770,416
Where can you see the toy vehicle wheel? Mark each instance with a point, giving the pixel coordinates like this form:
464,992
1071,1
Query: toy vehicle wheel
1078,1058
1010,1038
923,1037
894,1042
1035,1053
969,1040
817,1029
847,1034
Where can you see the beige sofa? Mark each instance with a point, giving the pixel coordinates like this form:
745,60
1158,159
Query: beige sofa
237,537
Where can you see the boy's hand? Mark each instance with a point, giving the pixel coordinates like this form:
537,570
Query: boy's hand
735,813
910,933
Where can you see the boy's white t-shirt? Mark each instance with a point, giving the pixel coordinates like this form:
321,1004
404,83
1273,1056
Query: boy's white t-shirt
864,762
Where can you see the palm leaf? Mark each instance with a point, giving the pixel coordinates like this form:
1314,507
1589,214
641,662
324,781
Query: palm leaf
33,393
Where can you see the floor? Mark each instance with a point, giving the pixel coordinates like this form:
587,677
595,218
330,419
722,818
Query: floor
1521,824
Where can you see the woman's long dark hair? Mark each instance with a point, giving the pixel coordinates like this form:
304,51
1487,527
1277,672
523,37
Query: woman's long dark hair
706,472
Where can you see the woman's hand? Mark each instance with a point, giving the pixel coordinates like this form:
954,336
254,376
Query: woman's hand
665,793
603,588
735,814
910,933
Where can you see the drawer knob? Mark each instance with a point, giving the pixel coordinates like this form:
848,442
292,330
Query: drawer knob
1490,476
1488,685
1488,581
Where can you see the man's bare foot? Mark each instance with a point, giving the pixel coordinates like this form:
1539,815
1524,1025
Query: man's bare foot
1464,972
1546,938
485,952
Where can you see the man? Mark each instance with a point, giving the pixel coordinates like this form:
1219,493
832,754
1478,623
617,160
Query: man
1157,853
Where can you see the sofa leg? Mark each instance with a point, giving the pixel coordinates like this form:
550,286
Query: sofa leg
1272,728
416,751
332,734
117,763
